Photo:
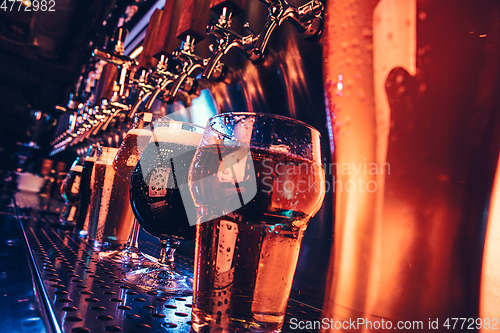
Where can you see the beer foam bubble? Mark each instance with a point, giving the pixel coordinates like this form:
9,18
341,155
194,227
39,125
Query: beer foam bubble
177,135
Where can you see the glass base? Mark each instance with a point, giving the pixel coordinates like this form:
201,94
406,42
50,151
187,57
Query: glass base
223,323
128,256
160,278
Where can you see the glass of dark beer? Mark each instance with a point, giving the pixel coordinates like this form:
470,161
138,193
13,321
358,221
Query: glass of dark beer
256,180
124,163
157,202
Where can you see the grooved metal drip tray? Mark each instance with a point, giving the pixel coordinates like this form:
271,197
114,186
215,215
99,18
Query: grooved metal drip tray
88,295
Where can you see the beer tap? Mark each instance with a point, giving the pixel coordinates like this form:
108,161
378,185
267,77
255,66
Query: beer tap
121,89
71,107
164,79
307,19
190,62
151,83
226,40
145,90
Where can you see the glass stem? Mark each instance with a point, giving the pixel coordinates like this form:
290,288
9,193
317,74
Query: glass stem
133,237
167,251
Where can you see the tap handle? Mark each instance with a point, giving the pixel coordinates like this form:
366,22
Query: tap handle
195,15
146,58
106,82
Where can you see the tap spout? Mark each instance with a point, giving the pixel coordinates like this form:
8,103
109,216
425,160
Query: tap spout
162,87
143,96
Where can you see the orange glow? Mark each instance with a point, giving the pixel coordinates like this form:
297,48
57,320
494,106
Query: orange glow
490,281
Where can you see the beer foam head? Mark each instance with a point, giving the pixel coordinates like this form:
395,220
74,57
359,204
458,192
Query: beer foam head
141,132
177,135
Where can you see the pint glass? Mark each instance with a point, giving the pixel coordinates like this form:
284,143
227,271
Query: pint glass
413,95
110,214
256,181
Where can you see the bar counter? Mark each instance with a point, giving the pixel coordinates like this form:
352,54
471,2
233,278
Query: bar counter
53,281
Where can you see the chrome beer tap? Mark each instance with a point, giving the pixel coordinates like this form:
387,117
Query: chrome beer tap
307,19
144,88
151,83
189,63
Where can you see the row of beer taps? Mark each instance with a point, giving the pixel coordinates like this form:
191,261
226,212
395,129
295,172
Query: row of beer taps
180,71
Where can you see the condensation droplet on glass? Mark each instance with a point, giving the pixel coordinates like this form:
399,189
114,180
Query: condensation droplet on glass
399,79
422,88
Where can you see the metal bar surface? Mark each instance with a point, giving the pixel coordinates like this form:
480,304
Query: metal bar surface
83,294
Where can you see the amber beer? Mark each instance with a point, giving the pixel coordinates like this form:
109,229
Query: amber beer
110,214
414,85
246,259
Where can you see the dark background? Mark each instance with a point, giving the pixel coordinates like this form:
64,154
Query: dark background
42,55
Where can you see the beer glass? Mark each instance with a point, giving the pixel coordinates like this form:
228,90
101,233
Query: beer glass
256,180
82,221
157,202
110,213
70,191
412,89
124,163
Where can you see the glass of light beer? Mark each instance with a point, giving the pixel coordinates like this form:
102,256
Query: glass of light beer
124,163
158,205
110,214
412,93
256,180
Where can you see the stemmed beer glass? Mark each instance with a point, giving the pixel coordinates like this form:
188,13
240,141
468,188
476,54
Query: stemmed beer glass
256,181
158,204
